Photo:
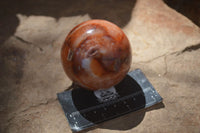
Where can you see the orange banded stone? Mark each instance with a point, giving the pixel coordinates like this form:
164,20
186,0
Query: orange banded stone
96,54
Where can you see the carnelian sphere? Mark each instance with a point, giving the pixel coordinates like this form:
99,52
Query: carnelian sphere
96,54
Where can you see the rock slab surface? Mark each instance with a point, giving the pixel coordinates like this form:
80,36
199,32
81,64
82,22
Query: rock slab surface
165,45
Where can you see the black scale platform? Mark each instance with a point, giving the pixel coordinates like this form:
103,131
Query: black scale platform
84,108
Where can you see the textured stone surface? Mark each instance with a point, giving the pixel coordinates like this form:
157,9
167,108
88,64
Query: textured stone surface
165,45
154,26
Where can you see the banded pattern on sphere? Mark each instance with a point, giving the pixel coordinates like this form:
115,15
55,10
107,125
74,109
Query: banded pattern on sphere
96,54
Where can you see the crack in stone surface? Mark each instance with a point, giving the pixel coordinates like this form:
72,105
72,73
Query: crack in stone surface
191,48
22,40
166,69
148,61
30,107
186,49
27,42
40,104
176,53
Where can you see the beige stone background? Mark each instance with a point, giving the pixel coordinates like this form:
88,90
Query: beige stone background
165,40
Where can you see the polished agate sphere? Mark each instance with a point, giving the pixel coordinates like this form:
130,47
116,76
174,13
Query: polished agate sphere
96,54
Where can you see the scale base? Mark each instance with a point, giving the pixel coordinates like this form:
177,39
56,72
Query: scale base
84,108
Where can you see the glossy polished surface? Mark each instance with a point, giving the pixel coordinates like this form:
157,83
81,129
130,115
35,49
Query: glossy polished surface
96,54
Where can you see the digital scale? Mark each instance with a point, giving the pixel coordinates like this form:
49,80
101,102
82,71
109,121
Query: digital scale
84,108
